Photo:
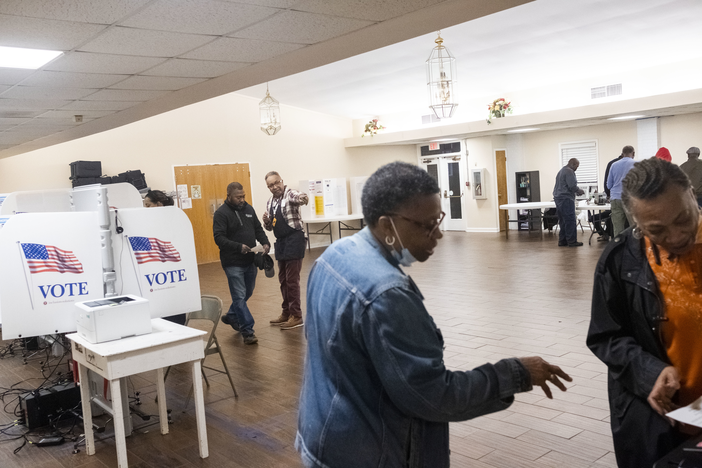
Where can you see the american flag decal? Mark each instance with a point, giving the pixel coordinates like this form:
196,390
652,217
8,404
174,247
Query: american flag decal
47,258
150,249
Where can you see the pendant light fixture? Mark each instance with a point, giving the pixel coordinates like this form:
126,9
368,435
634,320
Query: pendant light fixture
441,76
270,114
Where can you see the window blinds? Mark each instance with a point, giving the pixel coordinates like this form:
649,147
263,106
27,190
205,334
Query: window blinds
586,153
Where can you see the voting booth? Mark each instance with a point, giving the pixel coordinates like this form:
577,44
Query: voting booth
328,197
60,247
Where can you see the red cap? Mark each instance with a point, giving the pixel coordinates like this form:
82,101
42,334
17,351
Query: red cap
664,154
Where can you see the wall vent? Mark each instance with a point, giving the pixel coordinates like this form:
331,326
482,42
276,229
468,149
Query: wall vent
606,91
429,118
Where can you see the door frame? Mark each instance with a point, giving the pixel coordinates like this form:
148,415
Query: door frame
443,160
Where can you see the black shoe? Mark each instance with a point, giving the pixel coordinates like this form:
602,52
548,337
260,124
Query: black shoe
227,321
562,245
604,238
575,244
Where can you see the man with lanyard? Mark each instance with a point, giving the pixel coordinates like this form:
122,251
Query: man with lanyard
283,217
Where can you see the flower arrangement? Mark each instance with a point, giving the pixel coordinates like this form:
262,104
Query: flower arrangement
372,128
498,108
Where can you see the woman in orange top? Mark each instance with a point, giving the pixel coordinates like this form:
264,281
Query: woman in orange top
647,313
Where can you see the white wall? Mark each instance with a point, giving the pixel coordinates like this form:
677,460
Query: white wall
220,130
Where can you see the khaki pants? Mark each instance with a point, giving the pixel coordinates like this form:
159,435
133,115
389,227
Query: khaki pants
619,217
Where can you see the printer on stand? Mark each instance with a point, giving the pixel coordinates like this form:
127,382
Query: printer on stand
113,318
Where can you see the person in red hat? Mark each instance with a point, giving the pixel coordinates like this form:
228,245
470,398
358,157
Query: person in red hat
664,154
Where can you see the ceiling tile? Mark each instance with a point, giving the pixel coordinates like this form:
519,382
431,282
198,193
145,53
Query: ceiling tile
69,114
87,62
44,34
40,93
79,107
12,137
268,3
129,41
94,11
301,27
211,17
194,68
3,88
5,121
157,83
30,104
54,79
12,76
124,95
241,50
14,116
371,10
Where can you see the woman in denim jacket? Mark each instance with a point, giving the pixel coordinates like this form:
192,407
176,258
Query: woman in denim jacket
376,392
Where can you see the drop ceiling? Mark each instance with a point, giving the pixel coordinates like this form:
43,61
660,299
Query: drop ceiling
131,59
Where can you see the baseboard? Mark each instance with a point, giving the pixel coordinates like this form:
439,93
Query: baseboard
482,229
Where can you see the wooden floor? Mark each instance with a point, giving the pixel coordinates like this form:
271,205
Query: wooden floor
491,297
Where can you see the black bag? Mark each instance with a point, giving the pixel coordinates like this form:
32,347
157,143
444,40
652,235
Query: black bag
118,179
136,178
550,218
86,169
80,181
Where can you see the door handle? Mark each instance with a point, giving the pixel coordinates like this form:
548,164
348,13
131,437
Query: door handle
445,194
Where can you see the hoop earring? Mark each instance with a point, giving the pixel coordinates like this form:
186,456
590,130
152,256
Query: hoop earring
637,233
390,240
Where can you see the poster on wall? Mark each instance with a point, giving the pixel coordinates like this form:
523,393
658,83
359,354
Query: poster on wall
45,271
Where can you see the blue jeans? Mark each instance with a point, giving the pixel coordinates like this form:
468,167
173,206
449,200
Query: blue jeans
565,209
242,281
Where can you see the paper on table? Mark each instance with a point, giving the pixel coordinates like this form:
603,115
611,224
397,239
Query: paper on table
690,414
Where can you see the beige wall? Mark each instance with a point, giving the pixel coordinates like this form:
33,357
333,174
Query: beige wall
541,151
220,130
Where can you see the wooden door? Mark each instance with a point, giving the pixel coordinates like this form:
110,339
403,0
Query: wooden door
213,180
501,169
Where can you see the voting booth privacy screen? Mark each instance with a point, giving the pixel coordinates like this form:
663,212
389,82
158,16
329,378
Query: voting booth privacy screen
51,260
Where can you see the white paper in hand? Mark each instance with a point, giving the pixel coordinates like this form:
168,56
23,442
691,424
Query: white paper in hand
690,414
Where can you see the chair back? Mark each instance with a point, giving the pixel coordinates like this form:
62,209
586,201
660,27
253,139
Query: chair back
211,310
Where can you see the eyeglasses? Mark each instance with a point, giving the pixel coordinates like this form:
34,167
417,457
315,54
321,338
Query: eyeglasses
430,228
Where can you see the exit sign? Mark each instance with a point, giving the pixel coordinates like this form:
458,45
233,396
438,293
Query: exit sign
433,146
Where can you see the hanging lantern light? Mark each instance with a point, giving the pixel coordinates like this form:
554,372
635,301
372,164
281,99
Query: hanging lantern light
270,114
441,76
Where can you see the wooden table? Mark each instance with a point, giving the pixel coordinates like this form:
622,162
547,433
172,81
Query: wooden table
167,345
326,230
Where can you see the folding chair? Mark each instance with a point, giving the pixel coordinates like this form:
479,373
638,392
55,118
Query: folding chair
212,311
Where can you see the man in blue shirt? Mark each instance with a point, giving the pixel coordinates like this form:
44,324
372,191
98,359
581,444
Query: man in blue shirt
616,175
564,193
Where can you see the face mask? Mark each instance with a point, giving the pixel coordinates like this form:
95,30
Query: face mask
404,257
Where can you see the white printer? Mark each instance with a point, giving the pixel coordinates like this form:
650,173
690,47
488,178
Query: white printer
113,318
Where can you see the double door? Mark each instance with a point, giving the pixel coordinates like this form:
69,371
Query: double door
450,173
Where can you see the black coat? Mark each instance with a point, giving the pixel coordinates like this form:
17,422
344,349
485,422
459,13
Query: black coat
624,334
233,227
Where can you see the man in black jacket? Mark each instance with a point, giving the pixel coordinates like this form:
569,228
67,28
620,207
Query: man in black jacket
236,230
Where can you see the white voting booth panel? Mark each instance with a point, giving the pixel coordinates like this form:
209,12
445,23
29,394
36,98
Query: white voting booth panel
328,197
356,184
158,263
49,262
155,259
59,200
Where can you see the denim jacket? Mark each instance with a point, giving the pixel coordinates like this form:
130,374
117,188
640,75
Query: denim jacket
375,391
